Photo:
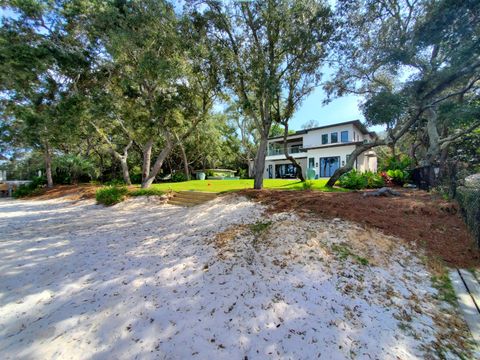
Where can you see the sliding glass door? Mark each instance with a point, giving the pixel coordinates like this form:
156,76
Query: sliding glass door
328,165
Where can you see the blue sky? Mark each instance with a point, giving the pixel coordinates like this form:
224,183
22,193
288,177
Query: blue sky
339,110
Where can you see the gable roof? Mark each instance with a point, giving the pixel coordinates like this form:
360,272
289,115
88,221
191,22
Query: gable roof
357,123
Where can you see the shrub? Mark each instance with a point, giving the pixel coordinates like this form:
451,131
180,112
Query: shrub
179,177
401,162
243,173
209,173
29,189
115,182
374,180
111,195
353,180
307,185
398,177
70,169
145,192
136,175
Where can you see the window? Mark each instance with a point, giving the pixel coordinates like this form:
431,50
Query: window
334,137
324,139
311,162
344,136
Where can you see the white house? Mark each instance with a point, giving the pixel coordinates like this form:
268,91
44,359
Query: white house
323,148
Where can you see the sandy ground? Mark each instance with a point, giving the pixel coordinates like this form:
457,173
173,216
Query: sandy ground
224,280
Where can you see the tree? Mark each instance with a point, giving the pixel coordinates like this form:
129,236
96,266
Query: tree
153,80
271,52
40,62
421,53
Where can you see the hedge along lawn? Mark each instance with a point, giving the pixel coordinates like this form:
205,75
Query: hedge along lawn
220,186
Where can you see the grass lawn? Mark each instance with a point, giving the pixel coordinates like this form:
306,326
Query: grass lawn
232,185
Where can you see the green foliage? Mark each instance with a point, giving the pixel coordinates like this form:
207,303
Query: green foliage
243,173
111,195
146,192
354,180
69,169
179,177
343,252
374,180
115,182
469,201
308,185
399,177
29,189
384,108
260,227
401,162
445,289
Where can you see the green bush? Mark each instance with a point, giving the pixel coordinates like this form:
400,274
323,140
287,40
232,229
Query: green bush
243,173
115,182
111,195
469,201
356,180
353,180
398,176
179,177
209,173
374,180
70,169
145,192
29,189
401,162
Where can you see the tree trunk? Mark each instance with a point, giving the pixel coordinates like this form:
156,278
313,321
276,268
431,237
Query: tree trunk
185,161
259,165
125,172
48,166
433,138
158,164
289,157
147,159
123,162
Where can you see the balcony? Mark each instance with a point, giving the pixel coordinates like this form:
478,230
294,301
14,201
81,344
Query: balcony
291,150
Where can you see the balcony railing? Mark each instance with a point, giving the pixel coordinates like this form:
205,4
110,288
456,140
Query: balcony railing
291,150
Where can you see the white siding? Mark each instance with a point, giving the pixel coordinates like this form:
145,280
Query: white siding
314,138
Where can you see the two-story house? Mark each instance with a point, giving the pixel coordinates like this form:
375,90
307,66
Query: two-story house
323,148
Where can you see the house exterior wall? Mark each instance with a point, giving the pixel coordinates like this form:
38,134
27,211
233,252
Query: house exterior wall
314,138
313,150
266,175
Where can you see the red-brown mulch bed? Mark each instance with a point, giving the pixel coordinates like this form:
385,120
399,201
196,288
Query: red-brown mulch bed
415,216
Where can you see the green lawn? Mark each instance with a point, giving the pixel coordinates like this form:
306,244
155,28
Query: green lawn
232,185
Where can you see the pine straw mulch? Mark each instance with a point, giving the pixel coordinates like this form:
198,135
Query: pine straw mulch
416,216
67,192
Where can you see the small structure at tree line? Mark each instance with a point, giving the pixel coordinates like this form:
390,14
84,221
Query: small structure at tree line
216,174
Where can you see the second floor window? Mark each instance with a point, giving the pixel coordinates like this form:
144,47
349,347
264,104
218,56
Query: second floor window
324,139
344,136
334,137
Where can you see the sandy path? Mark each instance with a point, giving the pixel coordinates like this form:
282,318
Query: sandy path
80,281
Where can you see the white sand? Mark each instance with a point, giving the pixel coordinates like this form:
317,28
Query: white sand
80,281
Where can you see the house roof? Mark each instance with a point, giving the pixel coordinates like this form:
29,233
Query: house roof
357,123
